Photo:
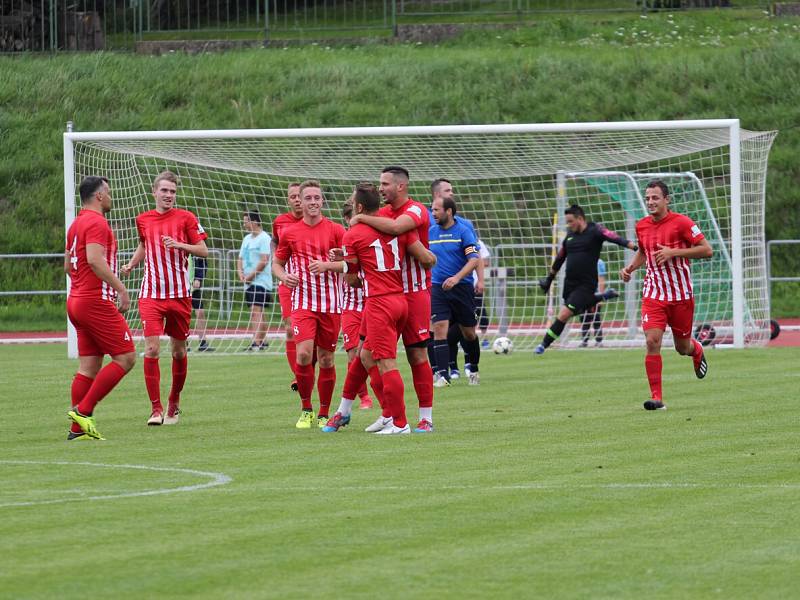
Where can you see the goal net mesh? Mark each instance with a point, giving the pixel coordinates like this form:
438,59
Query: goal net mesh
512,186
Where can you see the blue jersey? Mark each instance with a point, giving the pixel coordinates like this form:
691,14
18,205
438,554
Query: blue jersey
453,247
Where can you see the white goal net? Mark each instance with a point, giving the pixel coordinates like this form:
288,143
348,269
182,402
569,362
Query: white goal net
512,181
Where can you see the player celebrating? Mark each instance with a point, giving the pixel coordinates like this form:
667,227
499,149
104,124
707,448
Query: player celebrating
352,313
167,236
400,215
581,250
90,260
452,294
316,310
281,222
667,241
379,257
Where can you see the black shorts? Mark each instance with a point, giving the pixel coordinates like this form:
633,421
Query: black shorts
197,299
456,304
257,295
579,299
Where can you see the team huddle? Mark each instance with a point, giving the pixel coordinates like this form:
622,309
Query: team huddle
398,268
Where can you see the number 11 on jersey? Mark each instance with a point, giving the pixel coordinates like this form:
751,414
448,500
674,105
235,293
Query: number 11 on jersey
394,245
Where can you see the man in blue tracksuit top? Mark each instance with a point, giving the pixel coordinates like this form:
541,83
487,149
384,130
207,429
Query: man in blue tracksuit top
452,295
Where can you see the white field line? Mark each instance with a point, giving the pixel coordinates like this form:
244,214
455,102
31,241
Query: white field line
216,479
533,486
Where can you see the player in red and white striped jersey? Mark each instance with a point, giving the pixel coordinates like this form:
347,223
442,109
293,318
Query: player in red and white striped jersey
400,215
167,236
90,260
280,223
352,314
667,241
316,307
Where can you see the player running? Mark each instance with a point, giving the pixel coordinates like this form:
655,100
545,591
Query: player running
167,236
281,222
316,309
581,250
400,215
90,260
379,257
667,241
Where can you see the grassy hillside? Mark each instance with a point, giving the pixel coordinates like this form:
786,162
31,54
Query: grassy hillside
588,68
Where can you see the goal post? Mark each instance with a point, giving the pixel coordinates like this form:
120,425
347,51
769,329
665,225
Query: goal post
512,181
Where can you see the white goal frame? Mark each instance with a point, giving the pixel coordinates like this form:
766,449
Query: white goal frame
731,126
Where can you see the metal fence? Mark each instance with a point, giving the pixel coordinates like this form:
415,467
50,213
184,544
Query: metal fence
56,25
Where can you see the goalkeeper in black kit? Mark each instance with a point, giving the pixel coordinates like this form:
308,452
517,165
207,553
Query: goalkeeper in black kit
580,250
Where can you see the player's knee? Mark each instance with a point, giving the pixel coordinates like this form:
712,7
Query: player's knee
304,357
126,361
326,361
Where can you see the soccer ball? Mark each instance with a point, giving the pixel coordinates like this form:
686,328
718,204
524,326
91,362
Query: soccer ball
502,345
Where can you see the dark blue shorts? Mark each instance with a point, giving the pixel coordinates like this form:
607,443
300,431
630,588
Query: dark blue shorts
255,294
197,298
456,304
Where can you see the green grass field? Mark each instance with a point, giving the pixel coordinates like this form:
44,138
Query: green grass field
548,480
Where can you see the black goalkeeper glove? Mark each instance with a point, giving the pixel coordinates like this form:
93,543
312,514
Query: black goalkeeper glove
545,283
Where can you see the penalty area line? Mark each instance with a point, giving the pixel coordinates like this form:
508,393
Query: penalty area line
215,479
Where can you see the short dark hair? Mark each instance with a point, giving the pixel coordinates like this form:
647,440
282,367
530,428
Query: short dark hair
449,204
90,186
367,196
395,170
347,209
657,183
437,182
253,216
575,211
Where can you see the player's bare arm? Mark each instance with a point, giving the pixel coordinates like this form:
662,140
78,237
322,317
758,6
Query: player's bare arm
397,226
425,257
638,260
700,250
290,280
96,258
137,257
321,266
468,268
200,249
480,271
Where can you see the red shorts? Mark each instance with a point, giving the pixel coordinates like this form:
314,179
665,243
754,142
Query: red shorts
385,317
285,298
351,328
417,327
323,328
100,326
171,316
657,314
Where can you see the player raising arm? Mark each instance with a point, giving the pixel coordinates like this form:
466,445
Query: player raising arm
667,241
400,215
379,257
580,250
90,261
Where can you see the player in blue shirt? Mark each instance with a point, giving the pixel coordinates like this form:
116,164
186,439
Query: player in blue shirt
452,293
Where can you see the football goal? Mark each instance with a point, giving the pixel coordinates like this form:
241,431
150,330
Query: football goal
512,181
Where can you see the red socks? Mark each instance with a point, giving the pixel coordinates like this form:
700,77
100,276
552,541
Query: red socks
305,384
393,390
423,383
652,365
108,377
698,353
376,382
325,385
179,368
80,387
355,381
152,381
